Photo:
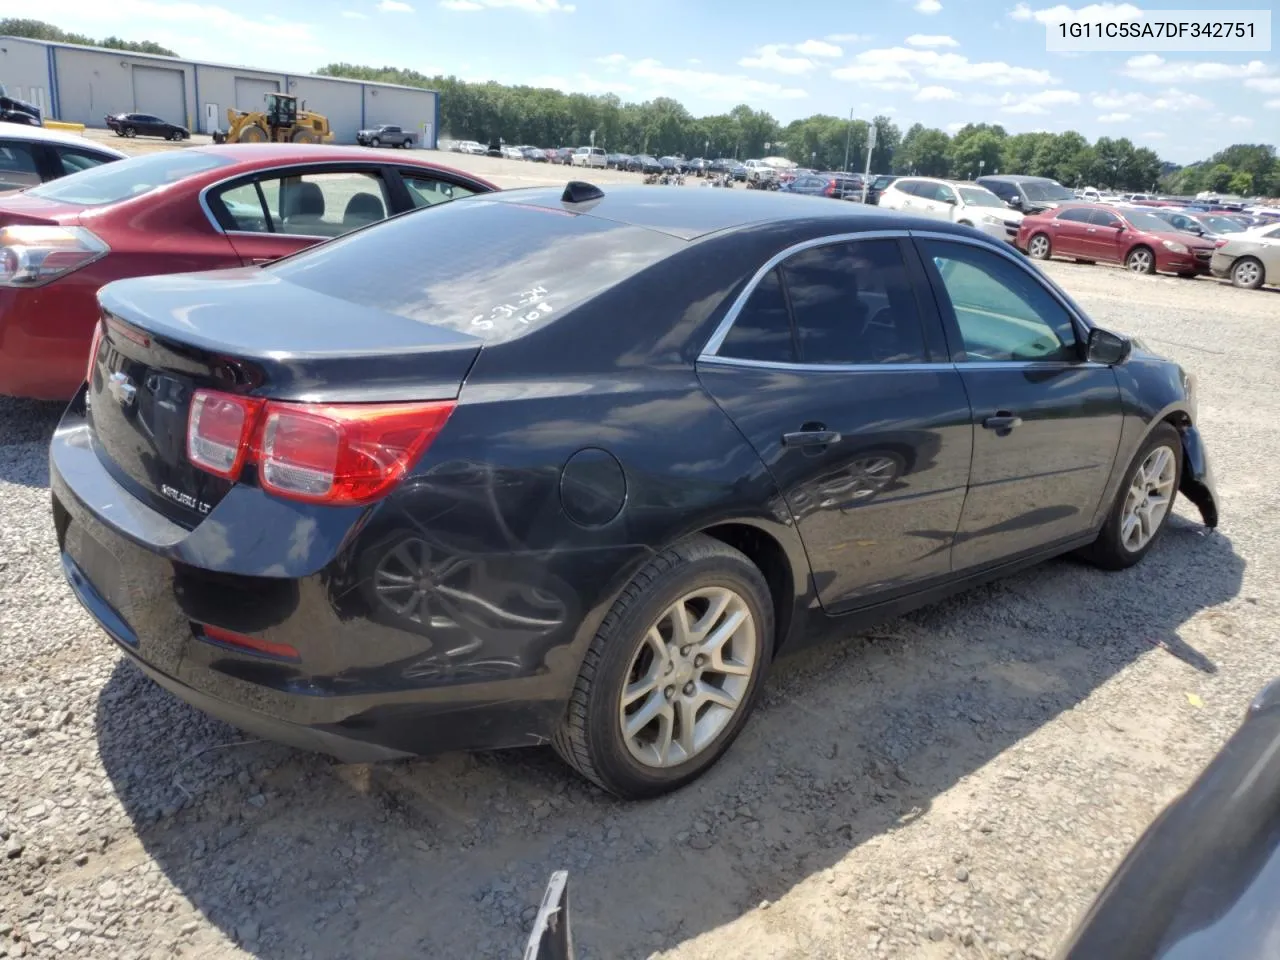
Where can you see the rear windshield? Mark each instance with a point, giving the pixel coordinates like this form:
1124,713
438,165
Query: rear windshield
1046,190
113,182
489,268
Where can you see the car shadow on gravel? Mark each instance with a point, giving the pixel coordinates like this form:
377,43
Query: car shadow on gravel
26,427
295,856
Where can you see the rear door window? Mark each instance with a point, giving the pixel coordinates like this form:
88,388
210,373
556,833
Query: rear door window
762,330
18,167
425,191
320,204
853,304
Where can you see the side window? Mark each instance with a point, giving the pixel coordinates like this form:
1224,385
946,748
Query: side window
241,209
18,166
1103,218
73,160
325,204
1076,215
426,192
853,304
762,330
909,187
1003,312
943,194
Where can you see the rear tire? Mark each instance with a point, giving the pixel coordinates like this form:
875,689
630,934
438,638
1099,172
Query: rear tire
1039,247
253,134
1115,548
665,679
1248,273
130,132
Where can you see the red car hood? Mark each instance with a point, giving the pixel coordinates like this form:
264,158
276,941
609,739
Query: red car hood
20,207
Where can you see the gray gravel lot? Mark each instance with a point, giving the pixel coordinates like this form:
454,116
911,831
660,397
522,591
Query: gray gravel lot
957,783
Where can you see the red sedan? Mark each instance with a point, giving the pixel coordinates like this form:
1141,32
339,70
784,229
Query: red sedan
1141,241
172,212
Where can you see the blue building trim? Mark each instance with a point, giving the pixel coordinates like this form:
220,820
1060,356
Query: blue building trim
55,105
195,72
363,94
435,124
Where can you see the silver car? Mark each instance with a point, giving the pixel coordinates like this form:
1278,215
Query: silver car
1251,258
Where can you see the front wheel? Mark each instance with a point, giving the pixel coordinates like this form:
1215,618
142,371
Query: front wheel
1247,273
1142,504
672,673
1140,260
130,132
375,142
1039,247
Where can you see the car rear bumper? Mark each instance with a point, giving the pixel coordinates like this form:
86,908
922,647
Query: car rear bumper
357,688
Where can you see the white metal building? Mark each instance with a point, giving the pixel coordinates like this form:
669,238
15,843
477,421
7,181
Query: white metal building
83,84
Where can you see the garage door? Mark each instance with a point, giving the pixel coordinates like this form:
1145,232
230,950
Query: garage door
161,92
251,90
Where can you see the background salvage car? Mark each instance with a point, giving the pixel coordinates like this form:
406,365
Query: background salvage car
194,209
831,413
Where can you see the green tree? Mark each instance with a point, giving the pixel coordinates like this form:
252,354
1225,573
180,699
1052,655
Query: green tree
1241,183
925,151
976,148
39,30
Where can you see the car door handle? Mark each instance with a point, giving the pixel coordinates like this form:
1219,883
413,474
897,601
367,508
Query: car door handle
1002,422
1092,229
810,438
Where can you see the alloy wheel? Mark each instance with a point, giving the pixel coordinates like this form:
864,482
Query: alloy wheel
688,677
1148,500
1247,273
1039,247
1140,261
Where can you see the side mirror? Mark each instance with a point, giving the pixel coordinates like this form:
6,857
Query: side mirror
949,200
1016,202
1106,347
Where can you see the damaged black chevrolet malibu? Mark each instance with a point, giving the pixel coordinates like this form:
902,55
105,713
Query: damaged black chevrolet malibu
574,467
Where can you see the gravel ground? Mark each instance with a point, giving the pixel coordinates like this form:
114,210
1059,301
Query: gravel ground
958,783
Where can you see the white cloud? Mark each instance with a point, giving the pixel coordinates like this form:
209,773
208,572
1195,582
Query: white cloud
931,40
525,6
1265,84
1094,12
770,57
1134,102
956,126
926,94
1115,117
1037,103
353,15
394,6
1272,104
1151,68
774,56
694,61
818,48
652,78
1240,121
896,68
928,7
612,59
198,30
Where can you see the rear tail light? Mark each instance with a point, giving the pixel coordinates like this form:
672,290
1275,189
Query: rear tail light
245,643
319,453
31,255
218,431
830,190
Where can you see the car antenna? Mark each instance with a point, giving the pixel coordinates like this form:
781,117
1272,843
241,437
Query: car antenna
579,191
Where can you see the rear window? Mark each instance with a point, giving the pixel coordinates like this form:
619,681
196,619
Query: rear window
113,182
488,268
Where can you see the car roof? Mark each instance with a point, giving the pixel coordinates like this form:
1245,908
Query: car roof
1016,178
690,214
249,156
18,131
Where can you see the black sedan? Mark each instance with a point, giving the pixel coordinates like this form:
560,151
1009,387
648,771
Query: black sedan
643,163
481,496
145,125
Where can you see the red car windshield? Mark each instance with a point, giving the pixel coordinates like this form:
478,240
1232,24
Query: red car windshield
1148,222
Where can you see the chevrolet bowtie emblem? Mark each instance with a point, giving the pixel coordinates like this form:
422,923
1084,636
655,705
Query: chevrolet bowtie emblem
122,388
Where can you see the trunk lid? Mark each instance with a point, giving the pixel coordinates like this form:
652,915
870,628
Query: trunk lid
242,331
19,207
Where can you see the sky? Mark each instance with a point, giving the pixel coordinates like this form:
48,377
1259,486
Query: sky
942,63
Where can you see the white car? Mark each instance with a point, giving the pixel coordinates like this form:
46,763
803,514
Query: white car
32,155
589,157
964,203
512,153
759,170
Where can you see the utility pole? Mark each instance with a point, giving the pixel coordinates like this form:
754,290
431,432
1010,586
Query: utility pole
847,138
871,145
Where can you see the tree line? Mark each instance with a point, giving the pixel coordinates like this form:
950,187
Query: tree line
663,126
39,30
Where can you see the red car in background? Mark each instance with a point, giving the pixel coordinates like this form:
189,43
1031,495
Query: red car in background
1141,241
174,212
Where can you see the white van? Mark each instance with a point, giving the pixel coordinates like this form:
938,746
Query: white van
589,157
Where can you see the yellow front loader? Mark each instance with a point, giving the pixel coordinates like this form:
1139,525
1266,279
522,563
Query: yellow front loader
281,122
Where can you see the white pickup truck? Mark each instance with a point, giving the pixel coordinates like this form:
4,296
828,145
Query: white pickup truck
759,170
